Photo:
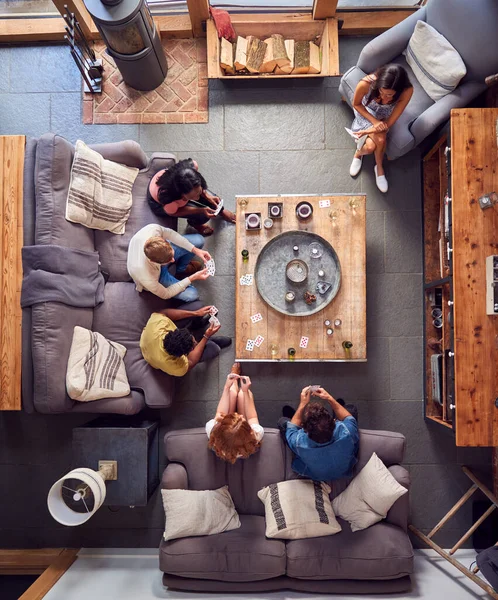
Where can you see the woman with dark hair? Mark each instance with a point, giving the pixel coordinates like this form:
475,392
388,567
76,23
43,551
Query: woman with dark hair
235,431
378,102
181,191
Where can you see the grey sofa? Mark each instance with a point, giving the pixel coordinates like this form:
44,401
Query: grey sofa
376,560
471,27
47,328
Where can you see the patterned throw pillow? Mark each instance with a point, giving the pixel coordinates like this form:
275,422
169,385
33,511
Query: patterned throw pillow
298,509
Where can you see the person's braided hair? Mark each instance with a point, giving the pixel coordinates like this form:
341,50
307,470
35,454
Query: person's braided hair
318,423
178,342
178,180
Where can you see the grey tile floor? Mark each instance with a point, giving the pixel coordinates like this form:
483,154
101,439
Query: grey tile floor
262,137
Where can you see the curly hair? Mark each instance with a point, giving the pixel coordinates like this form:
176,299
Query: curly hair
178,342
232,437
158,250
318,423
180,179
390,77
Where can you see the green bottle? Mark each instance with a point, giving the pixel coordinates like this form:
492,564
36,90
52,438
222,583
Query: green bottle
347,348
291,352
245,255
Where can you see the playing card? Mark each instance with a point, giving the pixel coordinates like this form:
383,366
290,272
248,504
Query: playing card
217,210
213,311
304,342
210,267
214,320
324,203
258,341
250,345
249,279
313,388
257,317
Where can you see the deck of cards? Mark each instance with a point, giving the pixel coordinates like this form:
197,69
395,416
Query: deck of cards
214,320
210,267
246,280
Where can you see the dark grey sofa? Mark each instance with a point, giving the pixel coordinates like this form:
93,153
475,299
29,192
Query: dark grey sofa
376,560
48,327
470,27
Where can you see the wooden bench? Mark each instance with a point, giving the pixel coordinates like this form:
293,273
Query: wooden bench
11,241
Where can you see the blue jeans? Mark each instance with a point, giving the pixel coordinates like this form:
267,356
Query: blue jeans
182,259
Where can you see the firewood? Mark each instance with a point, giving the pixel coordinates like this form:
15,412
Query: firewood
226,56
269,63
256,51
289,46
301,57
279,50
240,54
315,66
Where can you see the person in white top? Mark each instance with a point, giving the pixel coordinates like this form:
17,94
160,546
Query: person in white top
151,252
235,431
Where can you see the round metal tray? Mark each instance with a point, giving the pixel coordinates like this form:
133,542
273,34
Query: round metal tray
272,282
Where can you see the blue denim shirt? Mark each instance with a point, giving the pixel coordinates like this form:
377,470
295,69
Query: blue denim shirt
325,462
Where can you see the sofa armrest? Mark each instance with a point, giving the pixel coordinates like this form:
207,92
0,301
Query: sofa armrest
382,49
127,405
160,160
127,153
439,112
174,477
399,512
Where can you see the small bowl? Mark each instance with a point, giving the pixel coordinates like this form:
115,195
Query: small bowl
268,223
253,221
304,210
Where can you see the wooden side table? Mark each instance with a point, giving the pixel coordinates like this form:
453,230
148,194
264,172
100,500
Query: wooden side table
11,241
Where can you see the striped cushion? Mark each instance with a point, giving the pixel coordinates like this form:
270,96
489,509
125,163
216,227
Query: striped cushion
99,194
95,367
297,509
434,62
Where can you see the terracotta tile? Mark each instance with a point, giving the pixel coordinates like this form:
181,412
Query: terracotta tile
112,91
157,106
202,74
153,118
166,93
181,91
196,117
139,105
129,92
188,75
122,106
189,106
192,88
88,112
201,51
183,59
174,71
129,117
174,105
203,98
174,117
116,78
105,106
106,118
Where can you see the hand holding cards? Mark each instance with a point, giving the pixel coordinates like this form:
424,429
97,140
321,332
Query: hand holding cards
210,267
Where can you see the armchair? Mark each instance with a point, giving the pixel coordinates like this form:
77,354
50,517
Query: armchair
470,27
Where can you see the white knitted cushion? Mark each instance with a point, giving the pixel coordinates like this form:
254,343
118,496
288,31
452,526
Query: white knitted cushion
297,509
369,496
95,368
191,512
434,62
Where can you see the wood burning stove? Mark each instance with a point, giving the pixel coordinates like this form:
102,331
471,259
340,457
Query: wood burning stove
132,40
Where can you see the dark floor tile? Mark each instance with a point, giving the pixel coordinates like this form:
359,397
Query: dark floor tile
24,114
4,69
350,48
376,242
43,69
474,456
446,538
403,242
338,115
406,368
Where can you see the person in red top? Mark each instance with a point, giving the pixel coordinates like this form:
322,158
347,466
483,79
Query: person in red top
181,191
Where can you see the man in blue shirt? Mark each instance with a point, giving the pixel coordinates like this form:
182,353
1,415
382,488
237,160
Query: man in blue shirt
325,445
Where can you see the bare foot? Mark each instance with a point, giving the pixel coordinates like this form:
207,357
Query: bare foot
204,230
228,215
236,368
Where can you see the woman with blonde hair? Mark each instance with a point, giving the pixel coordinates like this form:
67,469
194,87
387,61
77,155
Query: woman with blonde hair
235,431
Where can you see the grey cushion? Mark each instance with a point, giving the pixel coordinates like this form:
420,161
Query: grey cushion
244,479
54,156
121,318
382,551
113,249
242,554
127,153
128,405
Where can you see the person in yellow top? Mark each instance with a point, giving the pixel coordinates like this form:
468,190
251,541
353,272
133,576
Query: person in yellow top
176,339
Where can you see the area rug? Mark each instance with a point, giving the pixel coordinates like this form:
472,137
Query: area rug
181,98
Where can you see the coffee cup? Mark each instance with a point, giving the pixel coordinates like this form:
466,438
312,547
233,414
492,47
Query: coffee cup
253,220
275,211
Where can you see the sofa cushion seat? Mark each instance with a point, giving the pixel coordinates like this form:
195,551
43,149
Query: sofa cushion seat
382,551
243,554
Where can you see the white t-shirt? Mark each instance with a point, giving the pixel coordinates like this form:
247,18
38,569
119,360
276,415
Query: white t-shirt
259,432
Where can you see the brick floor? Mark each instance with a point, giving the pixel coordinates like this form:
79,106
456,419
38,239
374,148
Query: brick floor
181,98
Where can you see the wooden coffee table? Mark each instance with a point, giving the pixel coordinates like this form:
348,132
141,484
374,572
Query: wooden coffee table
342,225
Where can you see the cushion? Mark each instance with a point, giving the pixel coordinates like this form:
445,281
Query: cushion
192,512
383,551
242,554
434,62
298,509
95,368
99,194
369,496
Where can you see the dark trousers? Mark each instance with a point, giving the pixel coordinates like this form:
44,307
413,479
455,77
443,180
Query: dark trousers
211,350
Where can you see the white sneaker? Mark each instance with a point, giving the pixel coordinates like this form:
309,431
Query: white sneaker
355,167
381,181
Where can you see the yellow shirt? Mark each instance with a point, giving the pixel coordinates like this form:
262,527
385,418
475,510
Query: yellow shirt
151,345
